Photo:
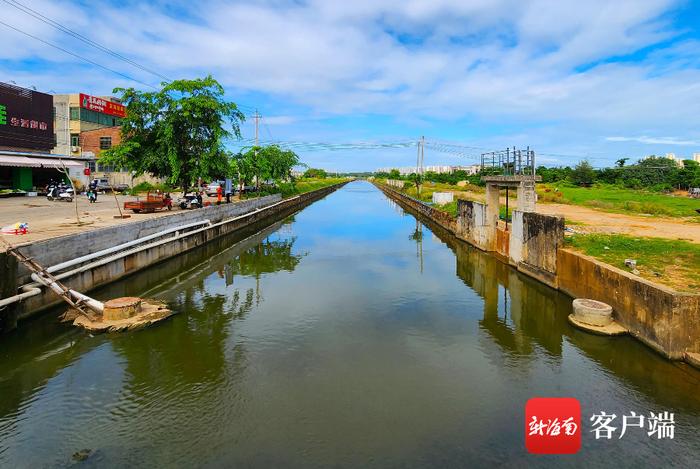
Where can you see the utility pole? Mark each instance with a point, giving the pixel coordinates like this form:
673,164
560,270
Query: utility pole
256,116
419,163
418,169
422,154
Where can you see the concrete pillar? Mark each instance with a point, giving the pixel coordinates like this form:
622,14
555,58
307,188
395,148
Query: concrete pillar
526,196
492,212
8,287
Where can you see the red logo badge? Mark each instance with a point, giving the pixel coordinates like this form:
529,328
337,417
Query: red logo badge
553,425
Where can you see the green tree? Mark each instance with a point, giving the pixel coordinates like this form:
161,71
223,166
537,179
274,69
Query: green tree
394,174
177,132
621,162
315,173
583,174
280,162
252,166
417,179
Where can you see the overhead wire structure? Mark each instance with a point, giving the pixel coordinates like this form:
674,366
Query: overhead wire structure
77,56
82,38
454,149
41,17
330,146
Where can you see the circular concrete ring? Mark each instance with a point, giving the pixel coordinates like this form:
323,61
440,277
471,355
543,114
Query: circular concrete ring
121,308
595,313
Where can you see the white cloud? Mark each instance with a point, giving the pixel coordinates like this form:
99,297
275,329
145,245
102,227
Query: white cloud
537,63
280,120
654,140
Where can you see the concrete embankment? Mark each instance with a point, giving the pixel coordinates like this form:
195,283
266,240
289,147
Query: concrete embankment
146,243
662,318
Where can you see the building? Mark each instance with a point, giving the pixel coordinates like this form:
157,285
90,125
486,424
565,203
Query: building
696,157
79,112
439,169
94,142
27,140
678,161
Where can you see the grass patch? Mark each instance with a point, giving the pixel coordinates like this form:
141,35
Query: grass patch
450,208
620,200
674,263
300,186
147,186
304,185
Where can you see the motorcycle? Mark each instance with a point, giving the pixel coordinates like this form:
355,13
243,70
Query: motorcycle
189,201
61,192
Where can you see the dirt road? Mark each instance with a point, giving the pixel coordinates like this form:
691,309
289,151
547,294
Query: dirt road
595,221
589,220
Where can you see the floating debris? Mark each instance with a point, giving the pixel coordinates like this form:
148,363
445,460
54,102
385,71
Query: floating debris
82,455
121,315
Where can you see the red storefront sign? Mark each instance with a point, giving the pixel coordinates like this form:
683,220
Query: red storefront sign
103,106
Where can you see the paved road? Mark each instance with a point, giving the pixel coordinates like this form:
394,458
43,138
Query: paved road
50,219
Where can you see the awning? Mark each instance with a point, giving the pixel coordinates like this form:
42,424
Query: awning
31,162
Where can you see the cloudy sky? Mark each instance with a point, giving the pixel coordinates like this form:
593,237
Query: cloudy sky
572,79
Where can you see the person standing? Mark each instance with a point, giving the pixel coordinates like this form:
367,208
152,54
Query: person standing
228,190
219,193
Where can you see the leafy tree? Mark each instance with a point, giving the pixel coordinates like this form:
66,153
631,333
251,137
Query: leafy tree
177,132
252,166
621,162
583,174
315,173
263,163
417,179
279,162
394,174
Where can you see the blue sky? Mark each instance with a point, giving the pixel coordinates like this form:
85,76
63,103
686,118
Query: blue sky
595,79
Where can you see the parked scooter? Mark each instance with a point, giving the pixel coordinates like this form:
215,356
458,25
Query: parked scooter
190,200
59,191
92,192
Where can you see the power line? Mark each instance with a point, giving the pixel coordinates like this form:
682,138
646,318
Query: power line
88,41
327,146
80,37
76,55
267,128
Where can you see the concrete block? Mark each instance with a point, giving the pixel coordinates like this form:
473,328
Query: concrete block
442,198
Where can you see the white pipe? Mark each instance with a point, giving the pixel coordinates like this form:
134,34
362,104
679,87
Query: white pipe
30,290
80,260
28,293
94,305
122,254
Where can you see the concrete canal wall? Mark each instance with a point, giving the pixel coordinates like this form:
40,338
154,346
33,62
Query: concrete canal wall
662,318
223,219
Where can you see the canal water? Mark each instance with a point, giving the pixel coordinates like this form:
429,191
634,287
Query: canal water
350,334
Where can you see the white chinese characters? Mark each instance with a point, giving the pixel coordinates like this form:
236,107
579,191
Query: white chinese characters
661,425
552,427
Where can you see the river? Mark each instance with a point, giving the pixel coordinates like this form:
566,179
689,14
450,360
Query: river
350,334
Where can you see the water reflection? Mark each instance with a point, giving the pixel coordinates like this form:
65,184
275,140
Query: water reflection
354,335
417,236
524,318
